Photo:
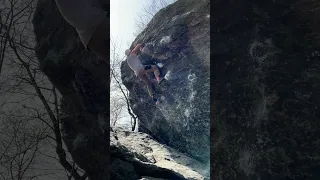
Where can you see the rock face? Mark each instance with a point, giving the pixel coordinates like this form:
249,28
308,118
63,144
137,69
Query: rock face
83,81
177,39
80,78
265,79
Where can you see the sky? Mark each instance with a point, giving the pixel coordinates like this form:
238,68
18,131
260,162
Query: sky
122,16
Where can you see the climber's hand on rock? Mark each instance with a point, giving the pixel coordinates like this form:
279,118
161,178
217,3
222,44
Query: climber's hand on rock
137,49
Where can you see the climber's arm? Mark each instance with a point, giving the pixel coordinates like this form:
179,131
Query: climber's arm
136,49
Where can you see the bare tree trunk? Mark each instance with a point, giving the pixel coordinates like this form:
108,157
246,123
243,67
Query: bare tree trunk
15,37
116,59
133,116
56,127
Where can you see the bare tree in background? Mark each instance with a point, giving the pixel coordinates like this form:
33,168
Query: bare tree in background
21,141
121,99
148,11
29,103
116,108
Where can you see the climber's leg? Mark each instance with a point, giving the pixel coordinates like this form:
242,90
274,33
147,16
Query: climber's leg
151,68
154,69
148,83
146,80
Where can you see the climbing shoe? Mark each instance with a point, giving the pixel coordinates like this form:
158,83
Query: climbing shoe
154,98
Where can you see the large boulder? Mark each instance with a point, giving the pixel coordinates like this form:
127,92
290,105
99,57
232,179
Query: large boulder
265,84
177,40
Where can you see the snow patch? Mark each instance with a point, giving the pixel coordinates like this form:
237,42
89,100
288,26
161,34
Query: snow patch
187,112
182,15
191,98
160,65
167,76
191,77
165,40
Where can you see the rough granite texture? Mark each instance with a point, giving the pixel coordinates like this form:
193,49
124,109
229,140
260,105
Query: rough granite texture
83,81
265,86
177,39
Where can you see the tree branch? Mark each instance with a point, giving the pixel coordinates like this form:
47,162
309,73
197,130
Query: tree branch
59,149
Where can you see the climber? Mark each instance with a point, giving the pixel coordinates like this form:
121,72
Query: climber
91,23
141,70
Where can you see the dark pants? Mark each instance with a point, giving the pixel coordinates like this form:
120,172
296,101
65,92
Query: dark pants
143,76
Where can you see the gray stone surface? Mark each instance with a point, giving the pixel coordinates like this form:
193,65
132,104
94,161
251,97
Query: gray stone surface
265,69
147,150
178,38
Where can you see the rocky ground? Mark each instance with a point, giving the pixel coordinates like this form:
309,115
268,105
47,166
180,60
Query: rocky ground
161,155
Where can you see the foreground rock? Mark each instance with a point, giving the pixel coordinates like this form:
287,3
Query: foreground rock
177,39
265,68
145,149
